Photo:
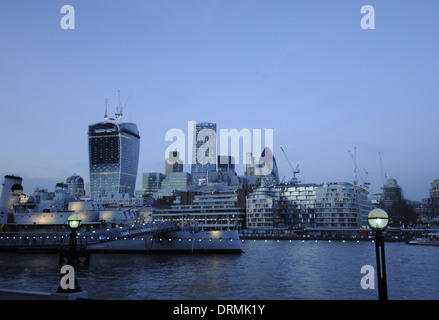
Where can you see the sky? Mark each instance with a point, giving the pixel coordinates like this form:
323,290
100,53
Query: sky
305,69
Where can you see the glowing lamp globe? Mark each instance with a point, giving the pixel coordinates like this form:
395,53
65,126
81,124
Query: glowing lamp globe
378,219
74,221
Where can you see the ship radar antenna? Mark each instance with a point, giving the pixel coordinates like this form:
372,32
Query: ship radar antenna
106,116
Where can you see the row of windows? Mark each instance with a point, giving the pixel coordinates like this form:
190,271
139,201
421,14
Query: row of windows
104,150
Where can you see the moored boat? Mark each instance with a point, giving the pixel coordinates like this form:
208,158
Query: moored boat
430,239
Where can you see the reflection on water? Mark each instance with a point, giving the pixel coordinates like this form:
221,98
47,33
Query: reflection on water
266,270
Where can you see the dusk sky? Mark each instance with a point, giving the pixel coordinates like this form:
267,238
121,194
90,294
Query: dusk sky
304,68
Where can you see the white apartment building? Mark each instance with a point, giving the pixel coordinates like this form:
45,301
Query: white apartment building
259,209
335,205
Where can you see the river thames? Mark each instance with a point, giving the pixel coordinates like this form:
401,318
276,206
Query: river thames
266,270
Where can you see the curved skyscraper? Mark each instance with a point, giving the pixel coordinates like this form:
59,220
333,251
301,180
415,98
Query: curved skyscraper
114,157
267,168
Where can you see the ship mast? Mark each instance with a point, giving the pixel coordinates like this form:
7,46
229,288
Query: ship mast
106,116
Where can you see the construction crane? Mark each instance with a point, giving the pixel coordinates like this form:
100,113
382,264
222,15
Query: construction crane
367,184
364,184
120,107
295,171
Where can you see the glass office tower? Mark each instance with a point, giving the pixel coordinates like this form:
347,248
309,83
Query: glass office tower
204,152
114,157
152,182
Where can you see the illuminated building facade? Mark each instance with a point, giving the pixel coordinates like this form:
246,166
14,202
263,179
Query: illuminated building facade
341,205
114,156
259,208
177,181
434,197
333,205
211,210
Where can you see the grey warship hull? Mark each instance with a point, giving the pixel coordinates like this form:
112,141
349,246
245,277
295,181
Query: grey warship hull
224,241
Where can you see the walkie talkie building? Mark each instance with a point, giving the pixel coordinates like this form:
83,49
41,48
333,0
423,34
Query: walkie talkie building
114,157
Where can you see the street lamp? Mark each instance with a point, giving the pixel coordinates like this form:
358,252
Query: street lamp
74,222
378,220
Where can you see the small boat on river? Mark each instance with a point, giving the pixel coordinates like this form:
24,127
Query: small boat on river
429,239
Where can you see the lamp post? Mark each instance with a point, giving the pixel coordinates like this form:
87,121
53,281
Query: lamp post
74,222
379,220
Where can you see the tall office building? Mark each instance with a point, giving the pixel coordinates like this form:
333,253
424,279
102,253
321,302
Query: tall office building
114,157
392,193
177,181
249,165
204,152
434,191
152,182
226,164
173,163
434,197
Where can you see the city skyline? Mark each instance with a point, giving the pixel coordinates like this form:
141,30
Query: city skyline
307,70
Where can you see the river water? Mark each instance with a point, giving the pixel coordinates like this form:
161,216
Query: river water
268,270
